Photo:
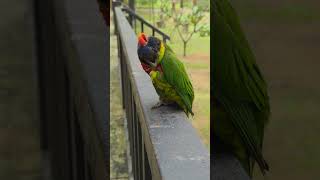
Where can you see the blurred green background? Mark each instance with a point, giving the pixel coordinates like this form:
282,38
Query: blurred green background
285,38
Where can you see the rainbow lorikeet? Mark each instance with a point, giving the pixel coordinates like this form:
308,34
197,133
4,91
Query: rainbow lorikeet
240,100
167,73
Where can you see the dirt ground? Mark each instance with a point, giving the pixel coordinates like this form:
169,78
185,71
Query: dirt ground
286,40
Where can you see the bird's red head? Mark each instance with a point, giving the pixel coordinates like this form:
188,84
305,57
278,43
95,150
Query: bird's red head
142,39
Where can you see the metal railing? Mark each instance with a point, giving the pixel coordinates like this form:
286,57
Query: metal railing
133,17
163,144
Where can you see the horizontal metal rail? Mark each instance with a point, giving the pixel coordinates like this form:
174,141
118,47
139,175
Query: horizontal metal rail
132,21
163,144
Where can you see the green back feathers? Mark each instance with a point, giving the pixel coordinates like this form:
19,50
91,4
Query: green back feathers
233,61
237,82
176,75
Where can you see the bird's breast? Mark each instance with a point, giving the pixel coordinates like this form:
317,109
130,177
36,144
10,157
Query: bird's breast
148,69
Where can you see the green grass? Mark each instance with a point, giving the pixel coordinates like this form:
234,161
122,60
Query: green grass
196,65
199,45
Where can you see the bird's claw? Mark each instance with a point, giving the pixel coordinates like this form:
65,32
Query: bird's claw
159,104
162,103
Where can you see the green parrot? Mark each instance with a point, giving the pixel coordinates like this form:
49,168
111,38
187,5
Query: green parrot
240,101
167,73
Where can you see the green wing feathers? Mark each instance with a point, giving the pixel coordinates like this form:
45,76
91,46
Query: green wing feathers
237,82
176,75
234,61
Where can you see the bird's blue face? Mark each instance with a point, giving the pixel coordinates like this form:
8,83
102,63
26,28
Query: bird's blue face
146,54
148,49
154,43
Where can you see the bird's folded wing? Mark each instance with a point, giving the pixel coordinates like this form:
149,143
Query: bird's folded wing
238,83
175,74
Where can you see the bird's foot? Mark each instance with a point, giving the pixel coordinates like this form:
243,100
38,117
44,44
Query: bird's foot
161,103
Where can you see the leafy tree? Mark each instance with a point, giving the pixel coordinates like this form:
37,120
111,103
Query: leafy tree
181,3
190,20
194,2
165,12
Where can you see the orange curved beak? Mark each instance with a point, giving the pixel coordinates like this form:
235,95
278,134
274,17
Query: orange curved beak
142,39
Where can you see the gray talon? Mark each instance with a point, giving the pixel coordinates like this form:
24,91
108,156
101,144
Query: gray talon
160,103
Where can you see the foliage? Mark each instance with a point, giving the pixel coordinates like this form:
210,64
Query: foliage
164,12
184,19
165,8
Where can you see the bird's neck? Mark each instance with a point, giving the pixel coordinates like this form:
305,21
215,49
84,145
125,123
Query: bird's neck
161,52
148,69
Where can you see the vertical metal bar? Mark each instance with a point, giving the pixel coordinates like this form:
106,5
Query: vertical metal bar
131,119
130,18
136,144
134,141
139,150
143,158
135,25
147,170
126,89
141,26
119,45
131,5
123,80
122,71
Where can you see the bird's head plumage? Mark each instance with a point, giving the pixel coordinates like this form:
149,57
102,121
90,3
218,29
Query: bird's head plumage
150,49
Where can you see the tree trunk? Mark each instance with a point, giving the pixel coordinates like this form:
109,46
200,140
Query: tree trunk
131,5
152,10
184,49
173,6
194,2
185,28
181,3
